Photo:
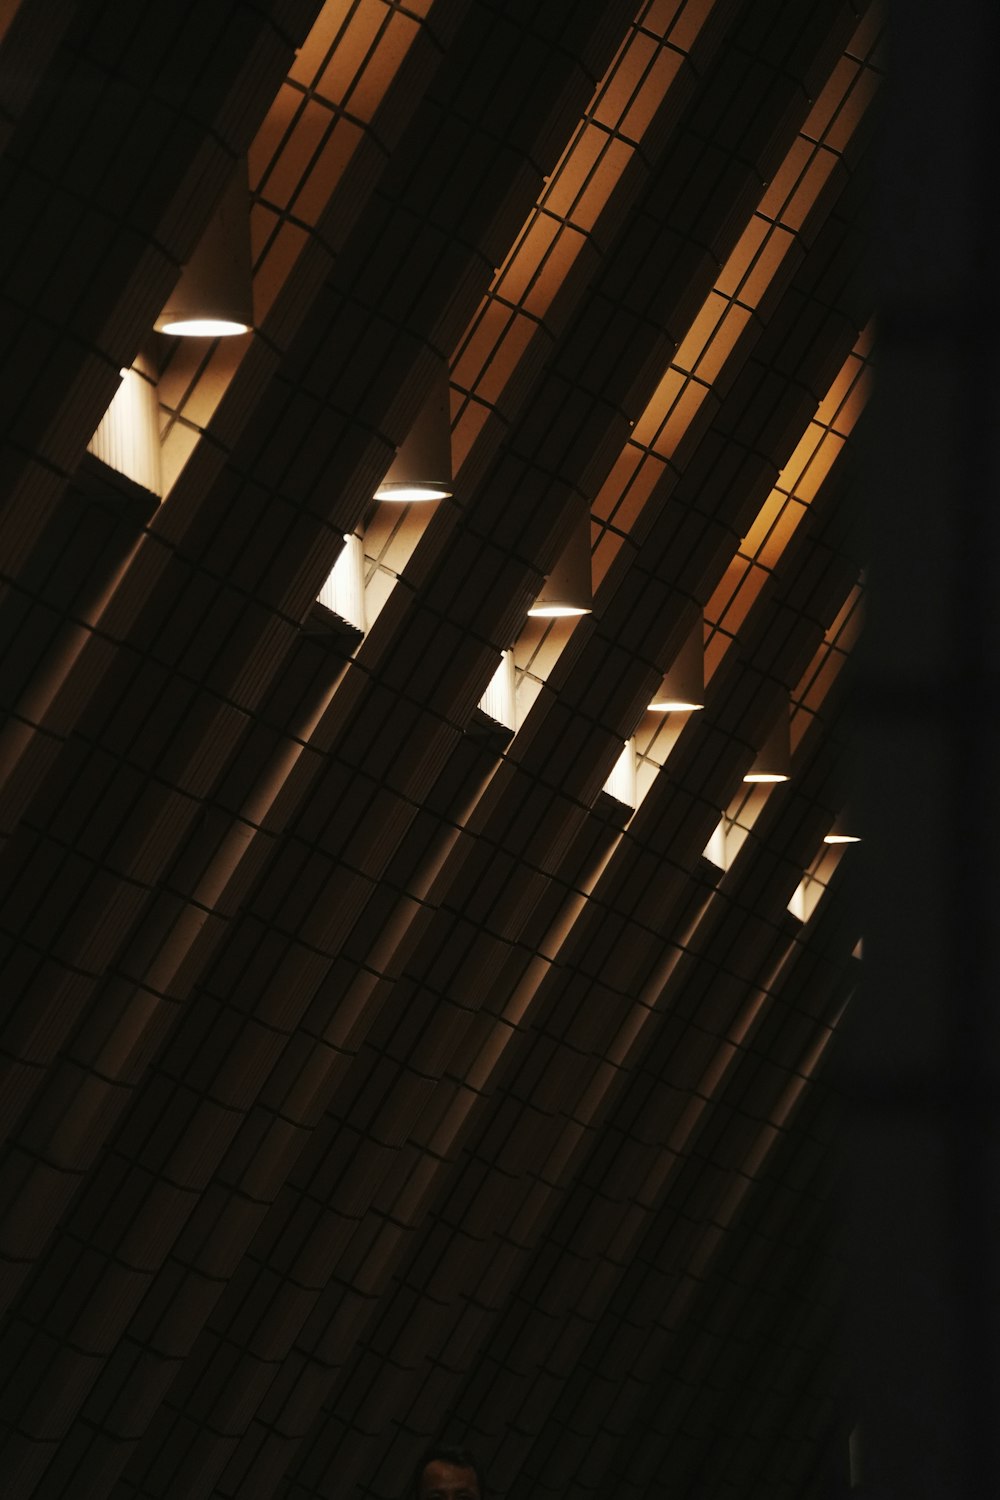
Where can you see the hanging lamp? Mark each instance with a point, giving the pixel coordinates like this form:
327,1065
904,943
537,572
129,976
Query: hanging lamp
214,296
621,782
499,702
842,831
773,761
421,469
568,589
128,438
343,593
683,686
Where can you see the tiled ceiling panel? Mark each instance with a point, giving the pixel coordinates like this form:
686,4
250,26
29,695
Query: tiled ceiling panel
370,1071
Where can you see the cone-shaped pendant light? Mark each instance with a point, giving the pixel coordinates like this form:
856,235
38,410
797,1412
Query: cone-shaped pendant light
683,687
214,295
774,758
128,438
844,830
569,589
421,469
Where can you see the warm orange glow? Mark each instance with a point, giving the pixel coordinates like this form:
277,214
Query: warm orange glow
764,776
669,706
204,328
842,838
575,198
430,490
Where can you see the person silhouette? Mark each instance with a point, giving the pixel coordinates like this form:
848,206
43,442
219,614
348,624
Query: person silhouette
447,1473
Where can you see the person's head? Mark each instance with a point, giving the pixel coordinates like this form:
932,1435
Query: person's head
448,1474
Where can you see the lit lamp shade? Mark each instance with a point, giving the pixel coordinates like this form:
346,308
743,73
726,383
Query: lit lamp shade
683,687
128,438
421,469
569,589
843,830
343,593
621,784
774,758
214,296
499,702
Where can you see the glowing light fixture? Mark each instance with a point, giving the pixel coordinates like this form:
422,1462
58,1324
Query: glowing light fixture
621,783
499,702
214,296
683,687
569,589
774,758
841,832
421,469
715,850
128,438
344,590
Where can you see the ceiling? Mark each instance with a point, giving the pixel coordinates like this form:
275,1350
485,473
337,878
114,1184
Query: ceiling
371,1072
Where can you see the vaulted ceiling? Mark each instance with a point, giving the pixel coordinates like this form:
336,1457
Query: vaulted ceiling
374,1070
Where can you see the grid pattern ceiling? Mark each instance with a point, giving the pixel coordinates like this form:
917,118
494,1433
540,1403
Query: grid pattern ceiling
370,1073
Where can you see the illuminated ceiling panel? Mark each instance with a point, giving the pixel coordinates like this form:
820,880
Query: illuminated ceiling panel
370,1074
